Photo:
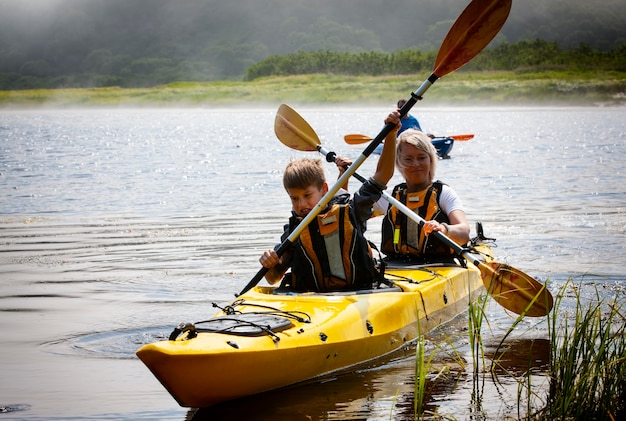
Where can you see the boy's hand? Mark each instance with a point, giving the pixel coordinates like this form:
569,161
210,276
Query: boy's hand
269,259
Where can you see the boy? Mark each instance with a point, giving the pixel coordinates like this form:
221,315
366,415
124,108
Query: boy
332,253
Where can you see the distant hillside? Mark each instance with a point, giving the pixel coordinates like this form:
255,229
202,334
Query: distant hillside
102,42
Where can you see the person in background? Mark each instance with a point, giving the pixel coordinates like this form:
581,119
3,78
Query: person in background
408,121
331,253
437,203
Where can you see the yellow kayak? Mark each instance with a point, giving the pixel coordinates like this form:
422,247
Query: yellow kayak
269,338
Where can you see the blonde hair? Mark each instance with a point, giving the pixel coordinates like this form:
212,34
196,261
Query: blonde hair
422,142
303,173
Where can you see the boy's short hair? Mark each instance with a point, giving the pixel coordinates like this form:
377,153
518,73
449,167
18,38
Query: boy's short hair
303,173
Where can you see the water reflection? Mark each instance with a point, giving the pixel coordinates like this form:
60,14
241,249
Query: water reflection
387,391
519,357
365,394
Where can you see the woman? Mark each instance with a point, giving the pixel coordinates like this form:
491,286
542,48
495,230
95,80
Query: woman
434,201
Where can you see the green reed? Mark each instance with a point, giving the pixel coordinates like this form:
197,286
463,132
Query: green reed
587,360
586,374
587,369
476,319
423,368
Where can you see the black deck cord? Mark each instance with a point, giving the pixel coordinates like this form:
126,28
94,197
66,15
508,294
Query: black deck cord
184,327
264,328
229,309
193,330
412,281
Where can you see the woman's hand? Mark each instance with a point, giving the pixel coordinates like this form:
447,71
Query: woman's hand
430,226
342,163
394,117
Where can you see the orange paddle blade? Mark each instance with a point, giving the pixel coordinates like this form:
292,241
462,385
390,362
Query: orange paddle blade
479,23
462,137
356,139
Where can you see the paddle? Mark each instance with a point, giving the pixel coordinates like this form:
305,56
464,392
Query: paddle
357,139
477,25
510,287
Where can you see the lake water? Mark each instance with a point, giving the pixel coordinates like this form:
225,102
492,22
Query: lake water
116,225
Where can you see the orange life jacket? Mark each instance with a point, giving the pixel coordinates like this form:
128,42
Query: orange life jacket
331,254
401,236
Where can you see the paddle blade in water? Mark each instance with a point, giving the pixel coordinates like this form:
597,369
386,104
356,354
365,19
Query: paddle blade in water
294,131
515,290
479,23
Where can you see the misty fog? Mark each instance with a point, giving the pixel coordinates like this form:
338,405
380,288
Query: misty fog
221,39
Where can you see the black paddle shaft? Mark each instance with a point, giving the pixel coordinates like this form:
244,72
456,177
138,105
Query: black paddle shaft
263,271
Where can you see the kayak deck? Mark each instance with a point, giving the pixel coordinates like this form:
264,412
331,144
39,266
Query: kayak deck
268,338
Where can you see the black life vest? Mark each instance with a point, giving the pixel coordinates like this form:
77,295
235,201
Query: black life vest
401,236
331,254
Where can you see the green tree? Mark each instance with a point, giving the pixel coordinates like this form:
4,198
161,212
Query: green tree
37,68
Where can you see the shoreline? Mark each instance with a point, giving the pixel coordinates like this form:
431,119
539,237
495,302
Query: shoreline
462,89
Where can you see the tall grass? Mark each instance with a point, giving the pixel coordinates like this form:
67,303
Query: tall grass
587,361
476,318
424,376
586,373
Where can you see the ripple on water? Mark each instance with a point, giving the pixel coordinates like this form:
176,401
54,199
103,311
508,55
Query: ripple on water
113,344
6,408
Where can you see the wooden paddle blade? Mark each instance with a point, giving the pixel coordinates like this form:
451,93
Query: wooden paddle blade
294,131
515,290
479,23
356,139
